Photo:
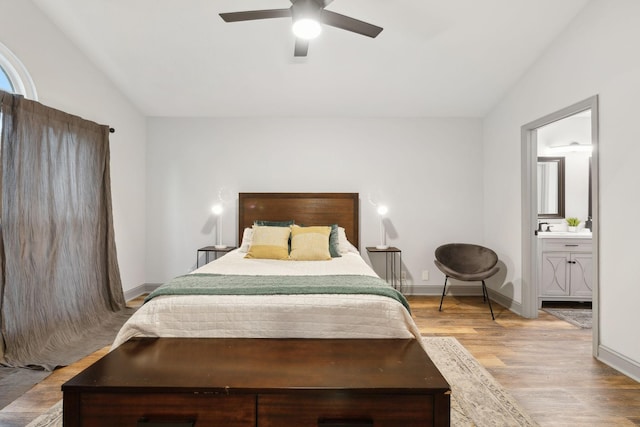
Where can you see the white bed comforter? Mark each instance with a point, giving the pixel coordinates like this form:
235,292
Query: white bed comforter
273,316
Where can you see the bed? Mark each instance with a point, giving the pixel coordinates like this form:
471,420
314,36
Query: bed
301,315
332,310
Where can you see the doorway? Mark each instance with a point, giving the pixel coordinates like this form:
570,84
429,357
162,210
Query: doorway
529,140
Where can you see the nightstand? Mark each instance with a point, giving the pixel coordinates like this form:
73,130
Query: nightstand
217,251
391,270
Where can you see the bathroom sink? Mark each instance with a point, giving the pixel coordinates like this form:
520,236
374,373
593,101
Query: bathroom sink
582,234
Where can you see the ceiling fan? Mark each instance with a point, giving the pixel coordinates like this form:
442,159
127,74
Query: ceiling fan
307,16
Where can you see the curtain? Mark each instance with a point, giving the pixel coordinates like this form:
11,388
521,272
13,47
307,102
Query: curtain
59,273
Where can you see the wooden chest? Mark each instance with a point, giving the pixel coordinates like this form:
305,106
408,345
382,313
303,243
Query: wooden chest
260,382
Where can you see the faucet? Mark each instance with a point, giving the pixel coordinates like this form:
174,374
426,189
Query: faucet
540,227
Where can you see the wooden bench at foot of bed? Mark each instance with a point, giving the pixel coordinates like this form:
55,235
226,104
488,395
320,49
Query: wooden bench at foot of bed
259,382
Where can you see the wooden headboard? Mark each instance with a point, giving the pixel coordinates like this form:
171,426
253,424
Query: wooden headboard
303,208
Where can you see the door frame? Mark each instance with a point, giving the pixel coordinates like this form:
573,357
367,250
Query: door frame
529,156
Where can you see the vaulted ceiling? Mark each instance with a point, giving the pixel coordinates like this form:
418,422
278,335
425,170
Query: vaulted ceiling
433,58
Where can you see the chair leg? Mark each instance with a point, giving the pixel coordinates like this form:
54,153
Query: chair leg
444,290
485,294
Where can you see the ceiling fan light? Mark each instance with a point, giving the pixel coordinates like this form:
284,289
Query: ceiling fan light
306,29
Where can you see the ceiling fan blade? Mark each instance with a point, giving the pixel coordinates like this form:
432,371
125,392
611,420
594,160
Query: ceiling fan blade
302,47
251,15
350,24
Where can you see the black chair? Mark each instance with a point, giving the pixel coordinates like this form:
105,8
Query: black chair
469,263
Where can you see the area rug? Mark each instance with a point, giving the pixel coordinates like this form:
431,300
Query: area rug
477,399
580,317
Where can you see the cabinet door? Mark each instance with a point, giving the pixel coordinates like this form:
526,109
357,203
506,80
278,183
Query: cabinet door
555,274
581,275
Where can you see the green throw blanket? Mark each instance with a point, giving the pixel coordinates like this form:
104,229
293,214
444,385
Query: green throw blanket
221,284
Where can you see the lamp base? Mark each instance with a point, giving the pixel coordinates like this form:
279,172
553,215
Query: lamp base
382,247
220,246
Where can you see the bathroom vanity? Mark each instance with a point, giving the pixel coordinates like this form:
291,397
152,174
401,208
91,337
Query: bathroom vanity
565,266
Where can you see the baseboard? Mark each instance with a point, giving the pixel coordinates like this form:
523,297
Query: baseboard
463,290
506,302
432,290
617,361
145,288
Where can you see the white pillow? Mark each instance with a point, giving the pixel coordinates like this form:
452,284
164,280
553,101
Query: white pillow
345,245
247,237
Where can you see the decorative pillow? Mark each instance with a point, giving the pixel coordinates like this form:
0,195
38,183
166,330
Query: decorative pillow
310,243
334,242
247,236
269,243
266,223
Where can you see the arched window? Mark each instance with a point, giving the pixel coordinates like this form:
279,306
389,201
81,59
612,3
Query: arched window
5,83
14,77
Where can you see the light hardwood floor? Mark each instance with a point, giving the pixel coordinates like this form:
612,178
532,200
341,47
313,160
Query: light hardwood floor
545,363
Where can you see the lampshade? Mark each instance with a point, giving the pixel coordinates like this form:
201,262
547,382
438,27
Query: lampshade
217,209
306,28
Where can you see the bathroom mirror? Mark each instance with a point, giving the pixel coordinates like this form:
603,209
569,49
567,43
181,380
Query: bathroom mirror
550,187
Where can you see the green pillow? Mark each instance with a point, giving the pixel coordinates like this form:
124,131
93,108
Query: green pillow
266,223
334,246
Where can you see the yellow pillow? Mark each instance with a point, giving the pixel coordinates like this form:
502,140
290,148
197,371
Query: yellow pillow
269,243
310,243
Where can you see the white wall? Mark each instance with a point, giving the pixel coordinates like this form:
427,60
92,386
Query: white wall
597,54
428,171
66,80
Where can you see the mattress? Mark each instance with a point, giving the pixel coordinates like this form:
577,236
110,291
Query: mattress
273,316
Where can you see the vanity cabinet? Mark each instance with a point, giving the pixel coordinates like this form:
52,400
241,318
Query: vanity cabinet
565,270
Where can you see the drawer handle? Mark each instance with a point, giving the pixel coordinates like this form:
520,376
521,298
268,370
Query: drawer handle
345,423
572,245
145,422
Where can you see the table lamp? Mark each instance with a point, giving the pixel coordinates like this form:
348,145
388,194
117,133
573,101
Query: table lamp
382,211
217,211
